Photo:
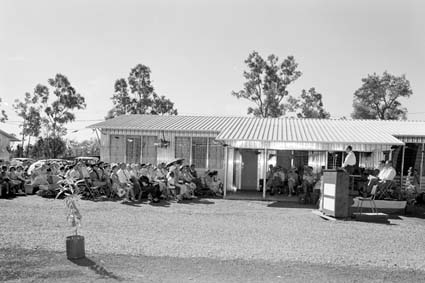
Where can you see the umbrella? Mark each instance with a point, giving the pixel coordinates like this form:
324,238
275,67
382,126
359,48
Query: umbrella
36,165
175,161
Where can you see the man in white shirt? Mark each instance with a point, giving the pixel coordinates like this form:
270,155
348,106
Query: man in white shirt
386,187
349,161
388,173
123,174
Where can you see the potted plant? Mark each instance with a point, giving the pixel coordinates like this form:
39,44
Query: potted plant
74,243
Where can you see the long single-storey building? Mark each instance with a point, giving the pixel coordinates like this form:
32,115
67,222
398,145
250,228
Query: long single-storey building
240,148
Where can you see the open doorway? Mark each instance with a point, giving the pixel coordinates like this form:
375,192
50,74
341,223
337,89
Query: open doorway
249,166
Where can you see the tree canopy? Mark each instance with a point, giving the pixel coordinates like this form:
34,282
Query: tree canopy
309,105
3,116
266,84
379,97
136,95
48,109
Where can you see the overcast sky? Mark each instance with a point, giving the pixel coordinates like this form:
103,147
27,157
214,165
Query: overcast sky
196,49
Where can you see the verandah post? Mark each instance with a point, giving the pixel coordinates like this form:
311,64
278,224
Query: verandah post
226,166
421,167
402,166
265,173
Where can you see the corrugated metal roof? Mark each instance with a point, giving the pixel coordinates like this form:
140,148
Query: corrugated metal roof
307,131
167,123
9,136
275,130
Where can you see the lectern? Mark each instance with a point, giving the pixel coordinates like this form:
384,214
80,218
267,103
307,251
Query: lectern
335,197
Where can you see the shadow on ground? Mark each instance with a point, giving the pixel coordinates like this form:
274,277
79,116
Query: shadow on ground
415,211
287,204
196,201
98,269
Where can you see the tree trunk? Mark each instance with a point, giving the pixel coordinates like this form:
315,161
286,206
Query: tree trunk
28,146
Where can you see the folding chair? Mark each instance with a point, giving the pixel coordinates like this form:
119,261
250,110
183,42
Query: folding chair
90,192
370,199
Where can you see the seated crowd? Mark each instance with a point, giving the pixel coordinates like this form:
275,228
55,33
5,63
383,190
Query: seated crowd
129,181
295,181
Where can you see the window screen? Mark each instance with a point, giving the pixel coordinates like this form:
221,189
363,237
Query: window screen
199,152
182,148
149,150
216,155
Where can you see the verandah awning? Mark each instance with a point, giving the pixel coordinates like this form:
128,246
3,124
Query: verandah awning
305,134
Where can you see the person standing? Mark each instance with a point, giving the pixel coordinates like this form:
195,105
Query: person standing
349,161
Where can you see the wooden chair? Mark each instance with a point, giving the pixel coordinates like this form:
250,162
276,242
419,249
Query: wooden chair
370,199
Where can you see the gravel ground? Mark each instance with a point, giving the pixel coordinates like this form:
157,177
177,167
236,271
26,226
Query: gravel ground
216,229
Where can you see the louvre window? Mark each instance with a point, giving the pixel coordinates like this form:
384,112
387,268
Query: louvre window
182,148
133,149
149,150
199,152
216,155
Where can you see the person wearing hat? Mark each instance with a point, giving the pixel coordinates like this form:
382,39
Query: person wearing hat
188,180
158,177
192,171
213,183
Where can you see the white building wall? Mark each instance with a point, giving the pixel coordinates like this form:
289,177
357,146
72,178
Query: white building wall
4,143
163,154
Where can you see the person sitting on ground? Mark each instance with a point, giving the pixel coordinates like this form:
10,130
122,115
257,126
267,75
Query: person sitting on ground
213,183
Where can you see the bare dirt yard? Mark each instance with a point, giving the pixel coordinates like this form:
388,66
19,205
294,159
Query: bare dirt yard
205,240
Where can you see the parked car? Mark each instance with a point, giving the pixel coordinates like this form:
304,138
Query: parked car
22,162
39,163
88,160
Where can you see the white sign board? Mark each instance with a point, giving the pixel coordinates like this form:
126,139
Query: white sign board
329,190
